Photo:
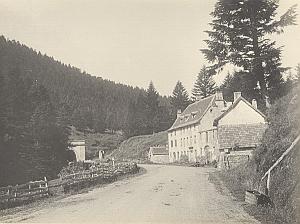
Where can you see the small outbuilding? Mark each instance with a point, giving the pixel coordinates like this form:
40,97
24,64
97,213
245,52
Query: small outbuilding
78,146
158,154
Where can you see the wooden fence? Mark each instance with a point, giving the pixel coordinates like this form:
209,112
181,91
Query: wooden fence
19,194
106,173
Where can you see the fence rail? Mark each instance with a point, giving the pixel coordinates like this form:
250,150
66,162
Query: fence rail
104,172
267,175
28,191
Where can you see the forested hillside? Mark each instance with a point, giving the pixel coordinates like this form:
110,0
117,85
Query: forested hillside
41,97
87,101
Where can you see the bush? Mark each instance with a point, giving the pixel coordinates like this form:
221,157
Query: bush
184,159
201,160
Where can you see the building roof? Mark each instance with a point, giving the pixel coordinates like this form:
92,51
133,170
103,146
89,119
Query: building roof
241,135
77,142
161,150
235,103
193,113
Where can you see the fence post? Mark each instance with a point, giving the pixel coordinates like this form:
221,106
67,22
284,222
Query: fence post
46,185
29,187
8,194
15,195
268,183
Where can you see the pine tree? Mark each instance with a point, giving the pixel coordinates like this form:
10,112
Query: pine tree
241,82
204,85
297,73
180,97
240,36
152,108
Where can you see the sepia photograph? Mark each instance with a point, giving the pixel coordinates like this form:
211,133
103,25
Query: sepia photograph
150,111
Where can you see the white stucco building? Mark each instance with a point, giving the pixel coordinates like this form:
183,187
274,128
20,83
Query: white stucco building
78,146
211,127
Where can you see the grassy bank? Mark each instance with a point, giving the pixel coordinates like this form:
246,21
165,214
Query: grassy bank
283,119
97,141
137,147
240,179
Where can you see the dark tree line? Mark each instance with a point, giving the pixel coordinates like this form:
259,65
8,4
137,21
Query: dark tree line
86,101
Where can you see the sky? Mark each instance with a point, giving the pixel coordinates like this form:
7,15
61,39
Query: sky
131,42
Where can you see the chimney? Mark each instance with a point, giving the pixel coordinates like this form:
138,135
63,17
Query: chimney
219,100
178,112
254,103
219,96
236,95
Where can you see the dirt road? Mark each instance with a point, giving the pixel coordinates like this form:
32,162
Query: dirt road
165,194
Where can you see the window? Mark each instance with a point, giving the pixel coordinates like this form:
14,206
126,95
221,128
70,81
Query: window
175,143
175,133
181,142
187,141
195,139
171,144
191,140
206,136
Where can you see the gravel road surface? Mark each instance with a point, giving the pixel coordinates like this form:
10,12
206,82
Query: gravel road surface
164,194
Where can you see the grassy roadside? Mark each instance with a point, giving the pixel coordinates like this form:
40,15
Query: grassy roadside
228,182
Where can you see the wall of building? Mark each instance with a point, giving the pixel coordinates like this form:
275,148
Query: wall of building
196,140
79,148
184,141
159,158
242,114
208,133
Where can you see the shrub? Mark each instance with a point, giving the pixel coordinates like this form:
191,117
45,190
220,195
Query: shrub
184,159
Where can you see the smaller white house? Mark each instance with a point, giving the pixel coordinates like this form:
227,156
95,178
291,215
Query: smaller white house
158,154
78,146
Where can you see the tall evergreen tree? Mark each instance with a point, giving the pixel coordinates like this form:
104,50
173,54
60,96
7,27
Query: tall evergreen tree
204,85
32,143
240,36
180,97
152,105
241,82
